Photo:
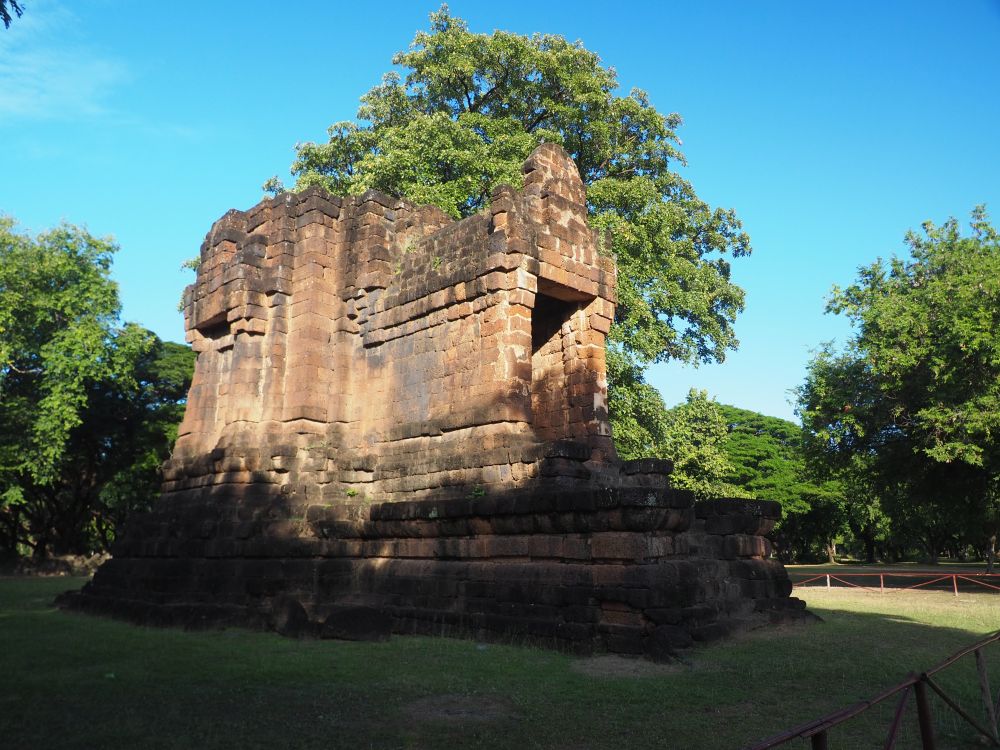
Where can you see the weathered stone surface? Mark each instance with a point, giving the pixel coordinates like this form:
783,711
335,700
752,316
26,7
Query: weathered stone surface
357,623
288,617
398,421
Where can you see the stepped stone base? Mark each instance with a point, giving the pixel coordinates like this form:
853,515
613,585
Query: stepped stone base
628,570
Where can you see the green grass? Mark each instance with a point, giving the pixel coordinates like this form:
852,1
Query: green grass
70,681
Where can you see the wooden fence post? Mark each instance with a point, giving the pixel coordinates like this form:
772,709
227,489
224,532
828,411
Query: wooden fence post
984,689
924,715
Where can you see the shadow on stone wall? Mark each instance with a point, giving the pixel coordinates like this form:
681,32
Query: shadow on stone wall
636,570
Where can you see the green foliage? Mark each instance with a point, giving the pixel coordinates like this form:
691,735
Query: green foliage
58,307
472,107
638,410
765,457
6,8
913,400
86,404
693,436
129,434
762,457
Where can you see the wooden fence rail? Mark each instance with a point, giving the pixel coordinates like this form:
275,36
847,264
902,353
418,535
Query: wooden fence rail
985,580
817,731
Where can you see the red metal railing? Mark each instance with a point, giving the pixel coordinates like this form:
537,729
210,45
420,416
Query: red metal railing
931,578
817,731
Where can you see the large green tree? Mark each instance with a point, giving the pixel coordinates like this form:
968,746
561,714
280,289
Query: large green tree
766,460
125,435
692,435
86,403
723,451
765,457
467,112
915,395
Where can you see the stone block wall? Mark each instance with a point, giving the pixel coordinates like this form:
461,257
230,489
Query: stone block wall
367,345
629,570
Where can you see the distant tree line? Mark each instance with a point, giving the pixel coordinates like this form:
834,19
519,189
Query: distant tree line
724,451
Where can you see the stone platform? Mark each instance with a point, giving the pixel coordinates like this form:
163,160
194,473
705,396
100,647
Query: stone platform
629,570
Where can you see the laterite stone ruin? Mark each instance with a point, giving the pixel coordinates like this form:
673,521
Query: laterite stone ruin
399,418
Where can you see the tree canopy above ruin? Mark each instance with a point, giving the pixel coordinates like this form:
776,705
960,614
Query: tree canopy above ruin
467,111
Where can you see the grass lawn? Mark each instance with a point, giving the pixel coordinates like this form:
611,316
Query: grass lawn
70,681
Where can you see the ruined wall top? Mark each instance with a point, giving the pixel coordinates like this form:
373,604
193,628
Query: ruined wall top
365,344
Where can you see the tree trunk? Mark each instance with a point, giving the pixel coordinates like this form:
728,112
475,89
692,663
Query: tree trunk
831,552
870,555
991,553
933,548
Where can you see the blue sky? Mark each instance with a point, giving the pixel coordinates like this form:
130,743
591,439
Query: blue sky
831,128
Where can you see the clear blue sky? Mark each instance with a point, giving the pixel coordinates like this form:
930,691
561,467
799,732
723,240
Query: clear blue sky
831,128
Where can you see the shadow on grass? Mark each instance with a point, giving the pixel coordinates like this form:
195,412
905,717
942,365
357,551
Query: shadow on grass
80,682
